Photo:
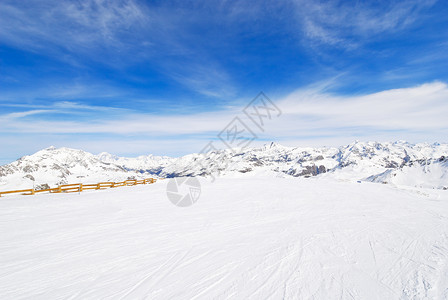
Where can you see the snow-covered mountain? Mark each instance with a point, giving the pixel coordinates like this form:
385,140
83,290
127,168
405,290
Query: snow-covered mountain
51,166
431,173
146,163
356,161
400,163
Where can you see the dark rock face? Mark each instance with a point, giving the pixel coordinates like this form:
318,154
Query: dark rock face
312,171
345,164
30,177
258,163
42,187
29,168
392,165
322,169
6,171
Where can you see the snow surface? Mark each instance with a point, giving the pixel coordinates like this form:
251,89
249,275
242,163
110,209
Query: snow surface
246,238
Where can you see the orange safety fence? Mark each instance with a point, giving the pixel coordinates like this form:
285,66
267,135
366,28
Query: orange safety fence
79,187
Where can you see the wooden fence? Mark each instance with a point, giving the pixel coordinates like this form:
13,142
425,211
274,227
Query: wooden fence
79,187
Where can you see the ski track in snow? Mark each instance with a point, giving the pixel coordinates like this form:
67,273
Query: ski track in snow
247,238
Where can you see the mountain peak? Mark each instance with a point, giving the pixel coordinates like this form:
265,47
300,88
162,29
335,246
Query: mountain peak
271,145
401,142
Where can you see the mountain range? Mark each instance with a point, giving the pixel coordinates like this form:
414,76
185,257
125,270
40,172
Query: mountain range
398,163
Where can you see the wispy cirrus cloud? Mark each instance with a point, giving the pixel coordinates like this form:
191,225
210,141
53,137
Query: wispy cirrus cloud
192,45
347,25
311,110
420,108
117,33
22,114
71,26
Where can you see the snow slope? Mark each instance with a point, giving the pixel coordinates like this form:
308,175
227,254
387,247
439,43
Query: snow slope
426,173
246,238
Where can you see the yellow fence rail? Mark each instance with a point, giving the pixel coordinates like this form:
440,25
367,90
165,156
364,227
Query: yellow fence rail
79,187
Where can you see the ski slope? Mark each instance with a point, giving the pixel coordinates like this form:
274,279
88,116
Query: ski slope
246,238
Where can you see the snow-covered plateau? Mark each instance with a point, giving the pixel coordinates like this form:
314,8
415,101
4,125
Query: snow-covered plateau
246,238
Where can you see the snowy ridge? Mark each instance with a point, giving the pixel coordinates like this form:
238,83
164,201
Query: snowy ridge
399,163
146,163
423,173
356,161
51,167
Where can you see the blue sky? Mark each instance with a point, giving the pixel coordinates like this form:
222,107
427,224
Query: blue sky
164,77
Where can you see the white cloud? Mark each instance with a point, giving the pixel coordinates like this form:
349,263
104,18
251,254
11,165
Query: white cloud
117,33
22,114
418,108
347,25
73,26
208,80
307,113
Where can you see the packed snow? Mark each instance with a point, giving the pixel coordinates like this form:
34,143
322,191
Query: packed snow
246,238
